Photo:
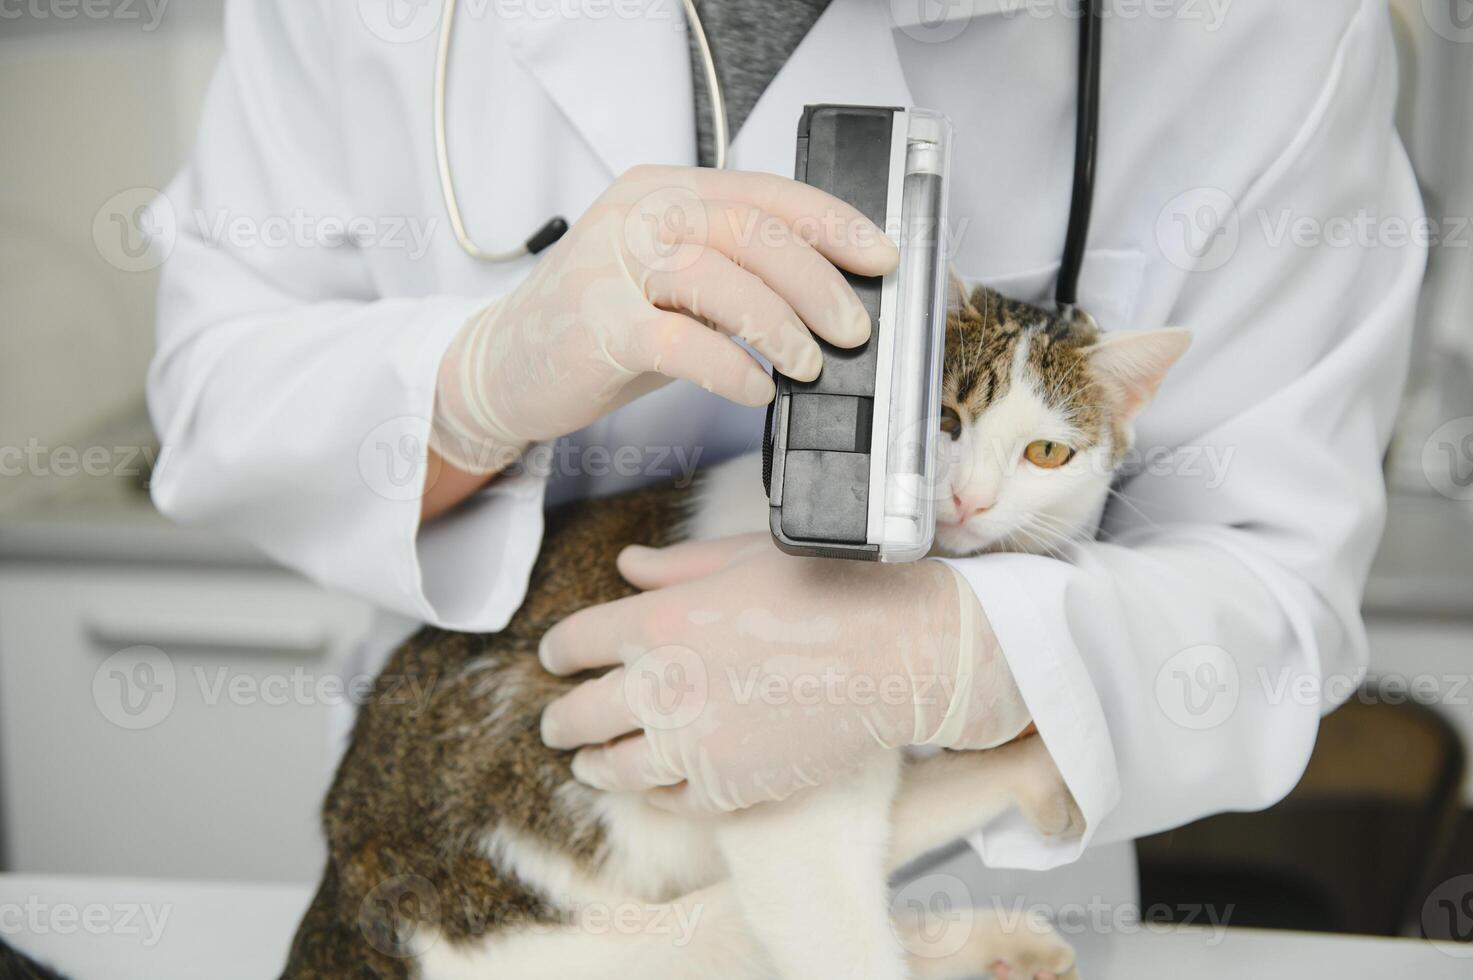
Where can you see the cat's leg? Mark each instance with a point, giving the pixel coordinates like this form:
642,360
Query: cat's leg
810,877
704,934
1003,943
947,796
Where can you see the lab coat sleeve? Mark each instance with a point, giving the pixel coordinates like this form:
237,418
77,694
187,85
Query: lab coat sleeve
1179,666
293,400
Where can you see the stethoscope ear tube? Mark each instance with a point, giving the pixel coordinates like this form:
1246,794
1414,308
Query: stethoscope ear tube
550,232
556,227
1086,150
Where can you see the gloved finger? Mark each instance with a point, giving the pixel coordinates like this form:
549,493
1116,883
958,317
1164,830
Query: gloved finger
593,713
676,346
791,267
681,801
630,766
656,568
591,638
740,304
838,230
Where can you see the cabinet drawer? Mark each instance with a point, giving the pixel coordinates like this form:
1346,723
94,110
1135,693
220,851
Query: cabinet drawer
174,723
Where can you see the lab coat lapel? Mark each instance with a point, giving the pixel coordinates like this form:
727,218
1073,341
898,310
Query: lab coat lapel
939,20
623,80
848,57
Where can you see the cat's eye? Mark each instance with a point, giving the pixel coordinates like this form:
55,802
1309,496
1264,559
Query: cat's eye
951,423
1048,455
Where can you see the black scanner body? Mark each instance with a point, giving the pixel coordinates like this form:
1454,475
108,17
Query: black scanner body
817,449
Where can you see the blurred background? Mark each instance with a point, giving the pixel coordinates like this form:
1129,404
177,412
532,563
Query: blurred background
164,693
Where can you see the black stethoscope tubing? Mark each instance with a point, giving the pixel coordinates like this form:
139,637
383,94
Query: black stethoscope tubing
1086,152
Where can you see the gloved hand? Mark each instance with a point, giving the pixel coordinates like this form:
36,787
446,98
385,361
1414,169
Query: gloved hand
596,325
747,674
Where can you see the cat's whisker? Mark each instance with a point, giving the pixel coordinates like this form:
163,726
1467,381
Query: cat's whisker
1073,529
1124,499
1038,541
1068,533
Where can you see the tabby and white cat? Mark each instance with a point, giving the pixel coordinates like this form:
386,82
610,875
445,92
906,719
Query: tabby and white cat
460,846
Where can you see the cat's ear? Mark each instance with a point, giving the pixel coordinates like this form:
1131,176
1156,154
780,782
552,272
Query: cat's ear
1135,362
958,296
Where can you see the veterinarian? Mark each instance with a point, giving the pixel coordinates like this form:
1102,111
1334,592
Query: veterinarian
311,393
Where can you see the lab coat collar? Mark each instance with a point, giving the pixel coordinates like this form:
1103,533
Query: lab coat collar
622,73
939,20
849,56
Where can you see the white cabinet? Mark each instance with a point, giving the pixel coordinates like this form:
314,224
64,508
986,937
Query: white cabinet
164,721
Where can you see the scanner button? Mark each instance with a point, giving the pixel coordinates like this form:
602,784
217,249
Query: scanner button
837,423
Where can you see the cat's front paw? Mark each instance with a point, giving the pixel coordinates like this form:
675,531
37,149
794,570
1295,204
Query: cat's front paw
1052,965
1042,795
1052,811
1002,945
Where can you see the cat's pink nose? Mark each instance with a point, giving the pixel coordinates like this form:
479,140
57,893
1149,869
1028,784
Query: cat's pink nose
968,508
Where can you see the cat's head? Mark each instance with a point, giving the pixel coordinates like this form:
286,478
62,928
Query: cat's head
1037,417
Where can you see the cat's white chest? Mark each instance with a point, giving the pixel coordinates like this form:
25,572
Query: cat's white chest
728,499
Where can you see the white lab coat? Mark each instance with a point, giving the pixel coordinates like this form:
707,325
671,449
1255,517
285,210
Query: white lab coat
1173,670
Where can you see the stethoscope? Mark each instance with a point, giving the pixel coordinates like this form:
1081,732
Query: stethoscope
555,227
1086,145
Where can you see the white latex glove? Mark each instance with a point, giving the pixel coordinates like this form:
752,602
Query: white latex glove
747,674
595,324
